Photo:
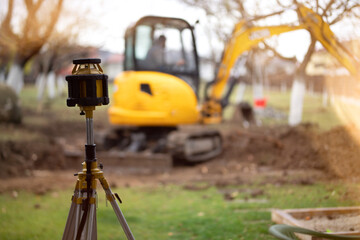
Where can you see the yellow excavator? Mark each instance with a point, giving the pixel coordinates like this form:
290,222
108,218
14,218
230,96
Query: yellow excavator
158,91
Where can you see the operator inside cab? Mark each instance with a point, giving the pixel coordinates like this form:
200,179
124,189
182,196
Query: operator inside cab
156,58
163,45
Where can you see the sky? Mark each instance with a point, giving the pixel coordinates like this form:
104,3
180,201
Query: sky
110,18
116,16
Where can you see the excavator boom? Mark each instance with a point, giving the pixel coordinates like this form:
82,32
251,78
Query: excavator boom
242,40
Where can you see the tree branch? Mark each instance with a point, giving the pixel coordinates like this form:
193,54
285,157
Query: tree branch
326,9
306,60
7,36
54,18
277,54
342,15
282,5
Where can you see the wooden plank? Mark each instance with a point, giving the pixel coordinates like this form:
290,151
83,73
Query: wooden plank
282,217
312,212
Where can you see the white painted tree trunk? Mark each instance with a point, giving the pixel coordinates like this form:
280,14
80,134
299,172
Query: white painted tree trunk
60,84
283,87
311,89
51,88
258,91
40,85
2,77
15,78
296,101
258,83
332,98
266,80
240,91
325,97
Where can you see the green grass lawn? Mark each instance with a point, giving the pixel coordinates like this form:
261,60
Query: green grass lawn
313,109
37,114
28,98
168,212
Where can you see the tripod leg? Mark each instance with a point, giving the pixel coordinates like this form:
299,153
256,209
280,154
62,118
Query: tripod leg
115,206
69,227
89,232
94,230
71,222
91,221
74,217
78,210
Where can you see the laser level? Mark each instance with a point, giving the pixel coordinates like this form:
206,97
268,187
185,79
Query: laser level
88,88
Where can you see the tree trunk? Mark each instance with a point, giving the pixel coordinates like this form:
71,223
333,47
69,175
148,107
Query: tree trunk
240,91
257,77
40,85
51,85
258,90
297,99
60,85
283,87
258,85
15,79
298,88
2,77
325,97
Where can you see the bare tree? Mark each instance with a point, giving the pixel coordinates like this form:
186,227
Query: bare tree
55,56
332,11
59,51
223,15
35,30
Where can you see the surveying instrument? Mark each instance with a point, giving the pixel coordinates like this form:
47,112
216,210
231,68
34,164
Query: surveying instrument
88,88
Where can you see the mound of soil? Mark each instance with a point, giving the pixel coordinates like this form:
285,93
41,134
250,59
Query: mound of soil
340,151
21,158
335,151
281,147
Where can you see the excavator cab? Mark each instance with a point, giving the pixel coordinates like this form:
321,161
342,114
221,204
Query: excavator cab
165,45
161,75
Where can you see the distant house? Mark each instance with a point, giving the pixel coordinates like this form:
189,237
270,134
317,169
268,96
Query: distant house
275,69
323,63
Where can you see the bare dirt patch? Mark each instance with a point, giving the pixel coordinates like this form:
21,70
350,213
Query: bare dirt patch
281,154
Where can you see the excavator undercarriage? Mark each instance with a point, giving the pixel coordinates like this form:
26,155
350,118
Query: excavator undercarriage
191,144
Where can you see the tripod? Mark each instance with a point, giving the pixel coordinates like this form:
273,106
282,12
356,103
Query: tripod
81,221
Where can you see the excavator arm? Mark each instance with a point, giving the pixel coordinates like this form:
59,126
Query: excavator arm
244,38
321,31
